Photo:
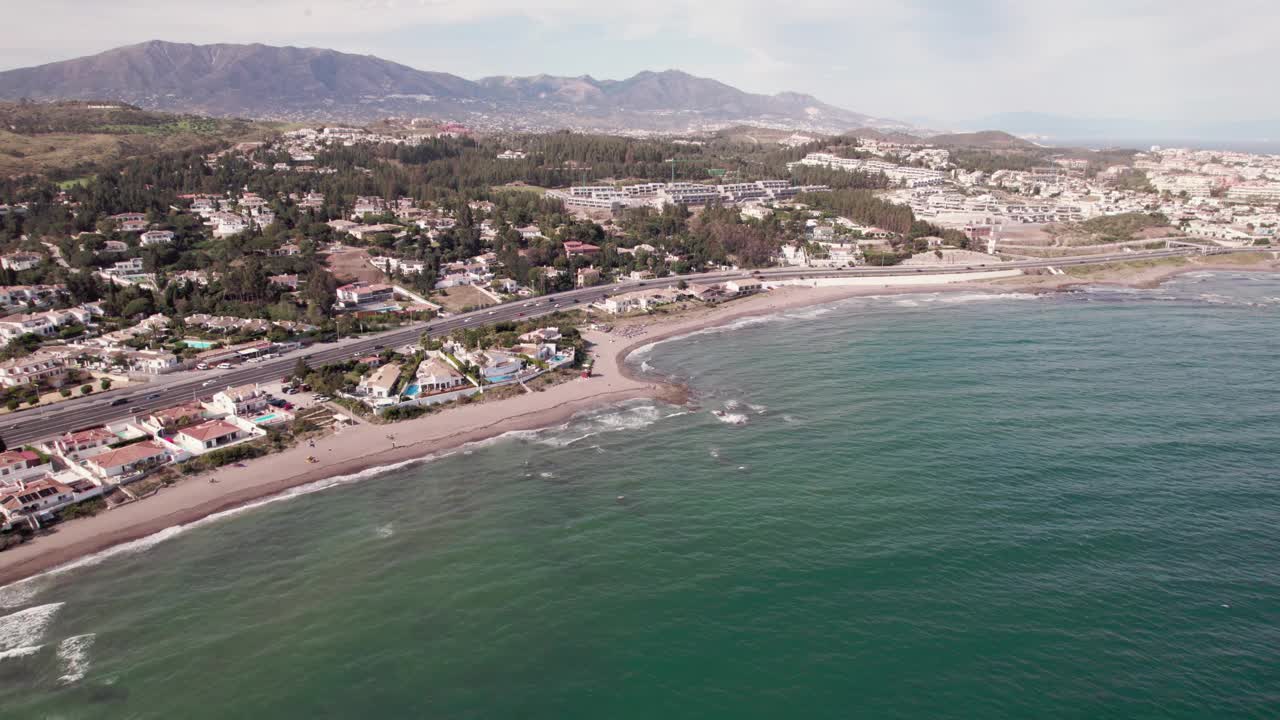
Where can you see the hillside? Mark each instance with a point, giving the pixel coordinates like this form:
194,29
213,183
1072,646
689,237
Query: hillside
68,139
986,139
289,83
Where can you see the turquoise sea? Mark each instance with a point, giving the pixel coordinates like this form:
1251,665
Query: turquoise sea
932,506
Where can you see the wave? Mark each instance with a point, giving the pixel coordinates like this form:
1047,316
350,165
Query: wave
25,628
73,653
385,531
732,418
20,652
30,586
626,416
18,594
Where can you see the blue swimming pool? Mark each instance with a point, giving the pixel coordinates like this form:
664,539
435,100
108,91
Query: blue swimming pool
412,390
263,419
200,344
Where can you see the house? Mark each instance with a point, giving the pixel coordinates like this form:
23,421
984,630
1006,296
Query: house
228,224
588,276
638,300
365,296
150,362
287,250
128,460
529,232
29,498
497,366
76,445
37,368
289,281
132,266
436,375
342,226
155,237
245,400
574,248
129,222
200,439
13,326
19,465
170,419
360,232
744,287
382,382
20,261
546,334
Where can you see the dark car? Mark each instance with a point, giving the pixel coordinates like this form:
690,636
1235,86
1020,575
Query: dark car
119,401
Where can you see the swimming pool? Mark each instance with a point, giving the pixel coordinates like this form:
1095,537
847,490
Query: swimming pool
412,390
263,419
200,344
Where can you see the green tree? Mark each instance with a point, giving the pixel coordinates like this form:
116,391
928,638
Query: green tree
86,389
105,384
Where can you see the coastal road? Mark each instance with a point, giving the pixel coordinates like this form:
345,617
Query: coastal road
28,425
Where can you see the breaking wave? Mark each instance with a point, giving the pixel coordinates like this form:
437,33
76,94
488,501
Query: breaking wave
22,632
73,654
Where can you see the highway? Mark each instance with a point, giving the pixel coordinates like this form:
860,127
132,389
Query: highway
184,386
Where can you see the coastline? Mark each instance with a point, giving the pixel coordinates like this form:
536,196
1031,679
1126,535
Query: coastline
348,452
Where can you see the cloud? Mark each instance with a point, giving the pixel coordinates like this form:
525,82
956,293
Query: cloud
938,58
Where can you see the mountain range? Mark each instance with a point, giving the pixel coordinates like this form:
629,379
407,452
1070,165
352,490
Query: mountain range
290,83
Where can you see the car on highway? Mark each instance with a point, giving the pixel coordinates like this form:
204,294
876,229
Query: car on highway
119,401
202,366
206,383
224,366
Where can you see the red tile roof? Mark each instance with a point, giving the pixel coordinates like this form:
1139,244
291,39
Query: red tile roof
210,430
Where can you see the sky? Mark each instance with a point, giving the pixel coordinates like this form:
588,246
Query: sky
1167,64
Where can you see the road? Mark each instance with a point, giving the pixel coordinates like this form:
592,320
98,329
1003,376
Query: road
166,391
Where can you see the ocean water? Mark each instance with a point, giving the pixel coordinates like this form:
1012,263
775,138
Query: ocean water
927,506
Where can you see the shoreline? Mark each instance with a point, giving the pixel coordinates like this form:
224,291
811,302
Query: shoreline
613,381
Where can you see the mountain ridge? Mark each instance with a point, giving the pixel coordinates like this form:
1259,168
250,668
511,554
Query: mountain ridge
295,83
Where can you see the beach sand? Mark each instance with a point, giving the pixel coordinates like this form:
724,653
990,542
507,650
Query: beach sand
365,445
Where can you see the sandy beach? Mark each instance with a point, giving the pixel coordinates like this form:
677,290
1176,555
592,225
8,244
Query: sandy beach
363,446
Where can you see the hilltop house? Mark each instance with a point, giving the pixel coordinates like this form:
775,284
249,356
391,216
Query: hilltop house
20,261
38,368
155,237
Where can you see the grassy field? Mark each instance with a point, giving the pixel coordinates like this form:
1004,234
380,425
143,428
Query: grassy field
67,141
462,297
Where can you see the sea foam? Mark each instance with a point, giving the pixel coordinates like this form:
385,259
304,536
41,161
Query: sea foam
73,654
24,630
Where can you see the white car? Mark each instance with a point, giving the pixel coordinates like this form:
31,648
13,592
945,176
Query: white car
224,366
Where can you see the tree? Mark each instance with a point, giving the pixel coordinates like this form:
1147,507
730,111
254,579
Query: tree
301,369
105,384
86,389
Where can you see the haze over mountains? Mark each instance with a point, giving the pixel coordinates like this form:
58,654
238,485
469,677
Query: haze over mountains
292,83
